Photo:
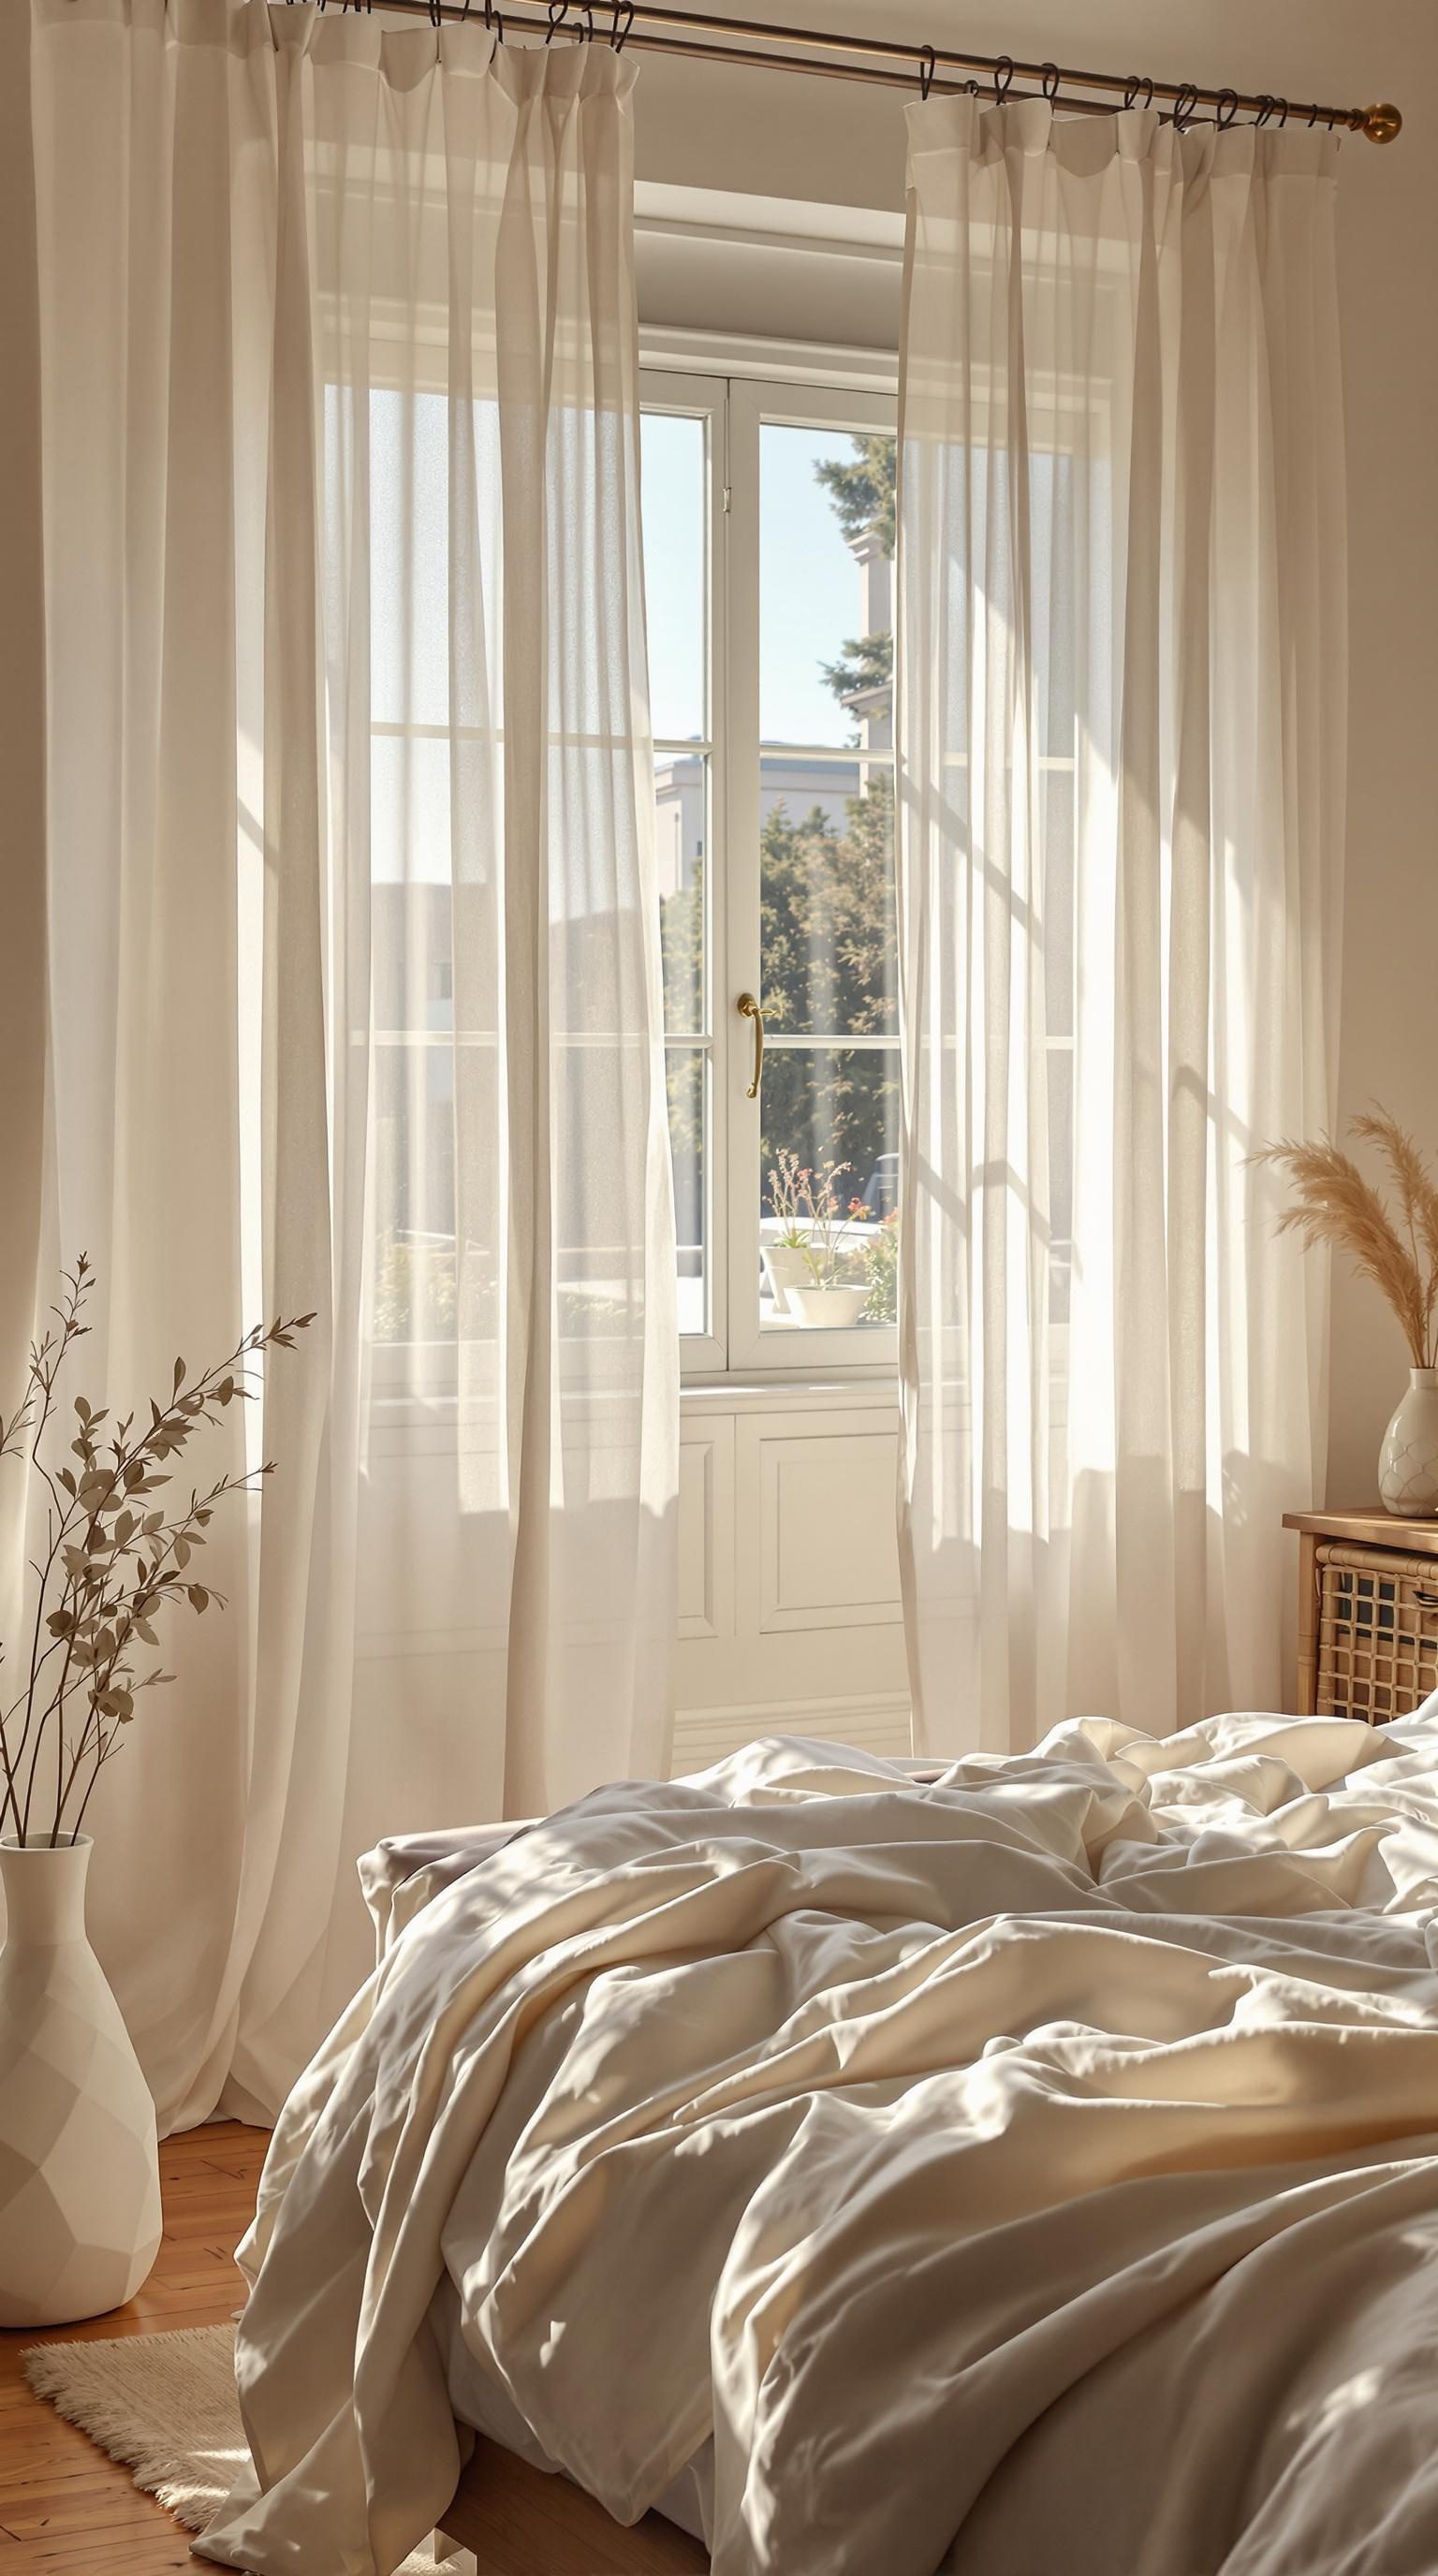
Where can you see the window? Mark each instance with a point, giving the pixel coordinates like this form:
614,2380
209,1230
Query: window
769,533
768,536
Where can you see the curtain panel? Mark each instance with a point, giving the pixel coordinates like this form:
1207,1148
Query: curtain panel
355,1001
1121,728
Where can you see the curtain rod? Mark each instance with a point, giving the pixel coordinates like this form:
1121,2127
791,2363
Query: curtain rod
710,38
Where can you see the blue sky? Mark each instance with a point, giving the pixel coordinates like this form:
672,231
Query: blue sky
809,589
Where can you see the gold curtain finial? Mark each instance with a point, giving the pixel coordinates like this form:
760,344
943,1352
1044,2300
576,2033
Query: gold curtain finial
1382,123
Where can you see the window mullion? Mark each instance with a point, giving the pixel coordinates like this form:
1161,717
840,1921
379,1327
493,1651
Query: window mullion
740,968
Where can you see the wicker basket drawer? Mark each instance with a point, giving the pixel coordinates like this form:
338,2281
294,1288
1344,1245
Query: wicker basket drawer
1377,1631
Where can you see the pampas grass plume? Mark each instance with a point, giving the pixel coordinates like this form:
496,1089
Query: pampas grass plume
1334,1205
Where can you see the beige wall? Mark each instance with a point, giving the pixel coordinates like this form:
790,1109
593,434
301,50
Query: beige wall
708,127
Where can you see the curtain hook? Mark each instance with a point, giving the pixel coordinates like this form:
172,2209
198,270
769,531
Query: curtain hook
619,32
928,65
1225,109
1138,81
1184,105
1266,106
1281,106
585,35
558,12
1050,76
1003,77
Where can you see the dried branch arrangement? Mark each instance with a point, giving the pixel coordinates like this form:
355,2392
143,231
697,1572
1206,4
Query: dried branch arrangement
113,1562
1336,1206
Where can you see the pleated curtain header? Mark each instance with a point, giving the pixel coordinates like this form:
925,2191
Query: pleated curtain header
1086,145
402,56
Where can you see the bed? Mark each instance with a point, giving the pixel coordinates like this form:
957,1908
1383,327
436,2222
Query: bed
820,2167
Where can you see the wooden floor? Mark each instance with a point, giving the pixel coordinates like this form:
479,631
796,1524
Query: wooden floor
65,2509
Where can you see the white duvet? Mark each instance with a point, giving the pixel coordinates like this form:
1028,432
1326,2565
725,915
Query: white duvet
1035,2173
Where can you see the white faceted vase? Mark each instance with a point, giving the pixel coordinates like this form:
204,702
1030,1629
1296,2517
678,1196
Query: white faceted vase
79,2166
1408,1459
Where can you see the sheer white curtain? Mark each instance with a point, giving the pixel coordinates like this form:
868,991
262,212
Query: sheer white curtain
354,995
1121,738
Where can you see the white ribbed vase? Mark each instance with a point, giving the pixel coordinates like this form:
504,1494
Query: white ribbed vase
79,2166
1408,1459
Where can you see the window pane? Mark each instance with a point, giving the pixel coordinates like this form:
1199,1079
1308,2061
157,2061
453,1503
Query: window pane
826,543
688,1069
681,830
826,893
830,1137
408,469
675,551
1061,1187
414,1279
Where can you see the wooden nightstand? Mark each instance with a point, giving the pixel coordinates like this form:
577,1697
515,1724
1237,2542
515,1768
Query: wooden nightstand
1367,1613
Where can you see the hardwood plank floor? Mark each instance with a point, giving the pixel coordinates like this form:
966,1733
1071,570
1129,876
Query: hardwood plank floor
65,2509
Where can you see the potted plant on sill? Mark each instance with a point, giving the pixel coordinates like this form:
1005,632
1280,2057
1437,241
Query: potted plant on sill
785,1267
830,1297
1336,1206
80,2212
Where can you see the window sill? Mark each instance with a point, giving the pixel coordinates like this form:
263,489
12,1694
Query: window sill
790,1391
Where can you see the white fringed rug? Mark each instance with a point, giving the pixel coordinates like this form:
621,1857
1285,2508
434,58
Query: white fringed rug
165,2405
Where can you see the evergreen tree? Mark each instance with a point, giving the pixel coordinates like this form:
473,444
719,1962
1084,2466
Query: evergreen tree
863,493
827,941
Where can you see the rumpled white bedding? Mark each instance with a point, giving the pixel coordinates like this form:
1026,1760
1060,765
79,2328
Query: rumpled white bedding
1040,2167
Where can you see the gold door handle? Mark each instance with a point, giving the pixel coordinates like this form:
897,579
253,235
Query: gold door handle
749,1010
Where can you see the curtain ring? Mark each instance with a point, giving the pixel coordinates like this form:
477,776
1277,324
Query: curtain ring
1050,76
1184,105
1266,106
558,12
623,21
1003,77
928,65
1138,81
585,35
1225,109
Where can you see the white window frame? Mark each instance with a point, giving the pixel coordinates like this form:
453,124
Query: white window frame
705,398
736,407
752,404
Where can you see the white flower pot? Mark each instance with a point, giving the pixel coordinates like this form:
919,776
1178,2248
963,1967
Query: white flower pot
1408,1459
785,1269
834,1308
79,2166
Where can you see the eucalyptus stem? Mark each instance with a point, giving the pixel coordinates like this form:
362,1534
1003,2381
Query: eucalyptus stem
114,1560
